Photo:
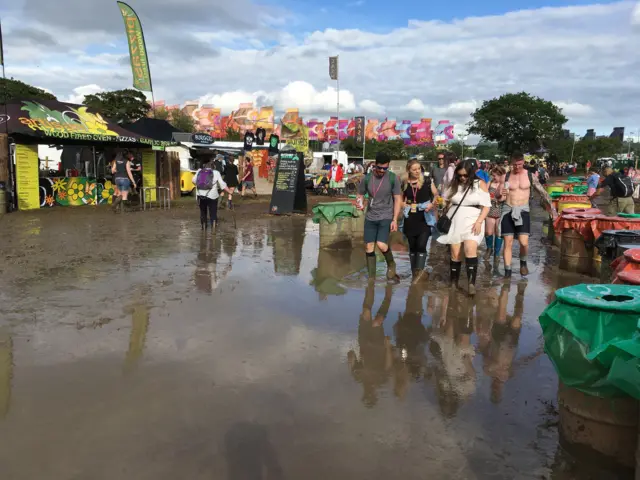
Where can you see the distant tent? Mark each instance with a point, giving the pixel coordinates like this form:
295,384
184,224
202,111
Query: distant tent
152,128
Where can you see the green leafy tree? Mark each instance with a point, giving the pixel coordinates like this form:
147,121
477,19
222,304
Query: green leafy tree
518,122
351,147
486,151
232,135
182,121
11,89
121,106
161,113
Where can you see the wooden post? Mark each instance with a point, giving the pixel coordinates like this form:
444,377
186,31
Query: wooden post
4,160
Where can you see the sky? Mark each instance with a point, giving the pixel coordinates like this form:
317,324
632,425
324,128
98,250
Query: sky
403,60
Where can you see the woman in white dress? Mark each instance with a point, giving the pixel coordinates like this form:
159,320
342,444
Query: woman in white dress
467,224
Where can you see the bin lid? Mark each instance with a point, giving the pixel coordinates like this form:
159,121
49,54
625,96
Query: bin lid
611,298
580,211
633,254
630,277
622,233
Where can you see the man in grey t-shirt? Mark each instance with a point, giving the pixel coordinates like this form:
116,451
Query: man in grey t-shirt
437,173
385,202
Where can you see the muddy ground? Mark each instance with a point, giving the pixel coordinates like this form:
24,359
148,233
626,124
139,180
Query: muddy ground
135,347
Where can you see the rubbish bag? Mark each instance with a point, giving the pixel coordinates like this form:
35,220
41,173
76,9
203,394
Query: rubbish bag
329,211
591,334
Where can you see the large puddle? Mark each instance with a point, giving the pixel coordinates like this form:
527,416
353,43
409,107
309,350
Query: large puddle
162,353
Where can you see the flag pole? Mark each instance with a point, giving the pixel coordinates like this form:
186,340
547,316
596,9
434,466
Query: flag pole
9,186
338,103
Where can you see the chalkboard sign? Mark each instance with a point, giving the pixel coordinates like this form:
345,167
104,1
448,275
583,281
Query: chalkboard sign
289,194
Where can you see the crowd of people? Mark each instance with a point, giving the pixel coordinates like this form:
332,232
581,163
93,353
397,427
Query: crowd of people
461,202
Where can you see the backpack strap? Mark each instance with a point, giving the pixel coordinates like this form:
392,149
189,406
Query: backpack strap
367,178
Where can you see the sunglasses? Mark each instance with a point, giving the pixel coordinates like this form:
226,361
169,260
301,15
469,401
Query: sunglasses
463,175
383,169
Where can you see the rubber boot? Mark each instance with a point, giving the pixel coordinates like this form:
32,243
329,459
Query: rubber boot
371,265
454,270
203,224
420,274
412,261
489,253
230,205
472,271
392,275
114,204
524,270
499,242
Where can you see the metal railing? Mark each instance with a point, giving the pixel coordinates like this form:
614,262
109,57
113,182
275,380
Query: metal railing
163,198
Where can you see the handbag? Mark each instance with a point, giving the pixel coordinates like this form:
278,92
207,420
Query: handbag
444,222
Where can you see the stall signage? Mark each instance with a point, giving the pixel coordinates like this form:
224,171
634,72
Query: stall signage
202,138
288,187
27,177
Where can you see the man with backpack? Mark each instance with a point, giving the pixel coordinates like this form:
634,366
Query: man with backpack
385,203
515,219
621,187
207,182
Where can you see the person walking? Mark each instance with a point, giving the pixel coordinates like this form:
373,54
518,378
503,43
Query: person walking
437,172
419,195
449,174
621,187
515,218
207,181
492,223
385,203
468,203
336,182
592,185
248,178
231,179
121,170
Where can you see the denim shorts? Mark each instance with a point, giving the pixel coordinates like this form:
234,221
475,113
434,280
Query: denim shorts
123,184
247,184
377,231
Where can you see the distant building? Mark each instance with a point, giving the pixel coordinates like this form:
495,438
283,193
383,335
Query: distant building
566,134
590,135
618,132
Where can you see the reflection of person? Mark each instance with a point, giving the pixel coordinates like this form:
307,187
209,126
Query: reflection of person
206,277
121,170
385,202
451,347
419,194
411,335
468,201
374,366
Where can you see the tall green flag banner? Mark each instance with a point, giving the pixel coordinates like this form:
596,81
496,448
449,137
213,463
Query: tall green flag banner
137,48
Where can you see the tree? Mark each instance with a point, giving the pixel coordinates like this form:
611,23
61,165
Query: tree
232,135
121,106
353,148
459,148
486,151
182,121
11,89
161,113
518,122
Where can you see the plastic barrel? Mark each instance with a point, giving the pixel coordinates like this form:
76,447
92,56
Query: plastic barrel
582,211
574,255
554,188
337,234
573,201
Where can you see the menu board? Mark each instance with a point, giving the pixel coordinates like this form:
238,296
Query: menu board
149,172
27,181
288,187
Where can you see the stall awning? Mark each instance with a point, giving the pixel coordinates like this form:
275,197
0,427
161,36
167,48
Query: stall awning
53,122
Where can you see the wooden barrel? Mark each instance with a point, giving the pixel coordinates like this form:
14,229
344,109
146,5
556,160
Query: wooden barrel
608,426
574,255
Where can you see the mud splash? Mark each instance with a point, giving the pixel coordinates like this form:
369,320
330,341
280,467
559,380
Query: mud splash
137,347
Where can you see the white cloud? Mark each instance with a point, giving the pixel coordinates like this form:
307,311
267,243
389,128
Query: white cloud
574,109
431,69
80,92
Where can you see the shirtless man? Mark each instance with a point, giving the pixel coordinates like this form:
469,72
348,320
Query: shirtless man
515,219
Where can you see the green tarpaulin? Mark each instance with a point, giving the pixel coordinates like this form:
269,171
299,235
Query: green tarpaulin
330,211
591,335
629,215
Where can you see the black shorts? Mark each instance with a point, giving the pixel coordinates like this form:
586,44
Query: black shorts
508,228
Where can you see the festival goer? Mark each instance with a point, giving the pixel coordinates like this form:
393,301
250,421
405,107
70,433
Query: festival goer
449,174
437,172
385,203
492,223
124,178
468,203
621,187
515,219
207,182
231,179
248,178
481,173
336,184
592,185
419,194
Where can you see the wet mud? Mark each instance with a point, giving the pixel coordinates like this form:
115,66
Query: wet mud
136,347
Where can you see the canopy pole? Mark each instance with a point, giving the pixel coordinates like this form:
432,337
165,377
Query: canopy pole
95,172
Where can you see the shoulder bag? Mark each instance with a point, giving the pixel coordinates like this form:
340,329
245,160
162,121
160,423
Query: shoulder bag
444,222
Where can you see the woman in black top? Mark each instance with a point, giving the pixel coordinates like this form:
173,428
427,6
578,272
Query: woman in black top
231,179
417,190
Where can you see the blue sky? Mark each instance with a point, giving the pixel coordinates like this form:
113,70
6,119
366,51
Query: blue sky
581,55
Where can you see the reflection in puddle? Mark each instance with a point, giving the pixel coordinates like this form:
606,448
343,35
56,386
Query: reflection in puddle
6,372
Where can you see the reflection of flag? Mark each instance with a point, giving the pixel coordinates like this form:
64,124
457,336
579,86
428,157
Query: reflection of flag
333,68
137,48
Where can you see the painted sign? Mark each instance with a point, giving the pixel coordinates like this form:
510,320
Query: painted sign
149,172
27,177
137,48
